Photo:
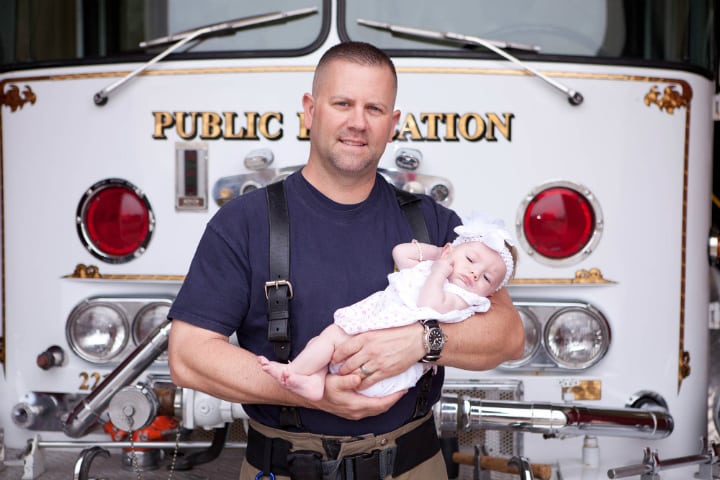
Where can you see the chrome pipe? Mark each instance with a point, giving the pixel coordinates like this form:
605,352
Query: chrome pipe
87,412
126,444
459,413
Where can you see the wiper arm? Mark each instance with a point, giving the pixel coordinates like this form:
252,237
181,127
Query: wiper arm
182,38
574,97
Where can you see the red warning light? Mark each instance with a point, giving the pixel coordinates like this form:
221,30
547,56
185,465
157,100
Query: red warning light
115,221
559,222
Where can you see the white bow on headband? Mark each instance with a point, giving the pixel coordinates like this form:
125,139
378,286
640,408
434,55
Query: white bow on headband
490,231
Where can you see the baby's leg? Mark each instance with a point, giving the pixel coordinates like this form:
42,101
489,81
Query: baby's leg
319,350
305,375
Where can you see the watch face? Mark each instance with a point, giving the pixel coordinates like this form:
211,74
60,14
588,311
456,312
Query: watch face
435,339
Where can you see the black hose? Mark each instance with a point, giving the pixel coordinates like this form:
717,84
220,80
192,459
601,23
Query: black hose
211,453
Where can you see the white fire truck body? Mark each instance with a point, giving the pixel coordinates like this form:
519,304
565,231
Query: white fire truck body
186,135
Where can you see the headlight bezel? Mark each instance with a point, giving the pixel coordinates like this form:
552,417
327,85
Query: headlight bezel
130,309
539,356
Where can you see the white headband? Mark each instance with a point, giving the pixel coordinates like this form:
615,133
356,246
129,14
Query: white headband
491,232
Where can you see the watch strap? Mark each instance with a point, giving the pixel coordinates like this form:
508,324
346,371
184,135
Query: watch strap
431,354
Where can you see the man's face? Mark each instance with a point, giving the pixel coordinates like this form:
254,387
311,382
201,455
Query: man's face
350,116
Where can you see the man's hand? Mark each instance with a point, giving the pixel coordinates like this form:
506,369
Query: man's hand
341,399
384,353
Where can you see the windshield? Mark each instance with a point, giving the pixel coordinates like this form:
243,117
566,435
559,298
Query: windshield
70,31
641,30
40,32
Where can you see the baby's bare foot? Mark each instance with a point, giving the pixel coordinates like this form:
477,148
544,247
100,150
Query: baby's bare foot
274,369
307,386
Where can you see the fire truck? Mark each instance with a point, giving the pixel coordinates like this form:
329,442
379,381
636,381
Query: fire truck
586,126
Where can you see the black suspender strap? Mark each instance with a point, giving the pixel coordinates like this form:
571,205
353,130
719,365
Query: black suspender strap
278,289
410,205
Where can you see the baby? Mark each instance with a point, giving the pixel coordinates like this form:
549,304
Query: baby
448,283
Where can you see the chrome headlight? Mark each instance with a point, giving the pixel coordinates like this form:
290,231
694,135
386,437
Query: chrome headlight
99,328
533,333
147,319
560,335
97,332
576,338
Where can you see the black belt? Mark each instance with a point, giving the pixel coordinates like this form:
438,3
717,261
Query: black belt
274,456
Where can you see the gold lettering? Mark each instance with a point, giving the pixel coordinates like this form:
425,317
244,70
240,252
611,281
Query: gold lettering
409,126
503,128
211,126
431,119
180,125
303,132
464,127
251,125
469,126
229,133
450,135
265,125
163,120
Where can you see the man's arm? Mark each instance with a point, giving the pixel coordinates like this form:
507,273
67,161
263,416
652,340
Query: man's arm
206,361
485,340
480,342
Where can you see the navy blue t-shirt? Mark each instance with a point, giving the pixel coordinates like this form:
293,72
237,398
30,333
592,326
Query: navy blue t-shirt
339,254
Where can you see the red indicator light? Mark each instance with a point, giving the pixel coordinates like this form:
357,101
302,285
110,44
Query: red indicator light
559,222
115,222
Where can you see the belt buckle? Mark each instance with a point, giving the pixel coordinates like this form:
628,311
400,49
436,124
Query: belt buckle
278,284
365,466
304,464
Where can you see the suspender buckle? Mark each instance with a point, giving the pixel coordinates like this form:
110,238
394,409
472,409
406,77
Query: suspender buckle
278,284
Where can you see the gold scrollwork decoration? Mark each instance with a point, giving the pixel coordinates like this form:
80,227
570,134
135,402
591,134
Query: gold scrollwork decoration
684,366
668,100
586,277
92,272
16,99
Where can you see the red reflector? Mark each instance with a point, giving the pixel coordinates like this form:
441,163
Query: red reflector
115,221
559,222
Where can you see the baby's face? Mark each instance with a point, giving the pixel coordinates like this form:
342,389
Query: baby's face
476,267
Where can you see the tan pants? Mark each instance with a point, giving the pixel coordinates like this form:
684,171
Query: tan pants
433,468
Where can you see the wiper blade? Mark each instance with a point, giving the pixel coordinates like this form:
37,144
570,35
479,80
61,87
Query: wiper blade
574,97
447,36
225,27
182,38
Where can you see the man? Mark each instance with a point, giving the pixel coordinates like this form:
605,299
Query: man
344,220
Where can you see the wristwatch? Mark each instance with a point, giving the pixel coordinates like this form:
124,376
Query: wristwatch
434,339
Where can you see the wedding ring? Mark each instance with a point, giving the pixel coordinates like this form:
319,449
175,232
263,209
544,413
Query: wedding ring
364,371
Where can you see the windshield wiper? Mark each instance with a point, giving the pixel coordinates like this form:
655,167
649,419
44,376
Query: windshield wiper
574,97
182,38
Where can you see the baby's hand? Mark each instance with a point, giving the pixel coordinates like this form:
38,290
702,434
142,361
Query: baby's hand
443,266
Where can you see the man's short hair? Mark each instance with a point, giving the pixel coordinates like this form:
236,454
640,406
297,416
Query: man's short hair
357,52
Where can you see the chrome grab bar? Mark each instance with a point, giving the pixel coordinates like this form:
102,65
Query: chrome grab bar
87,412
459,413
